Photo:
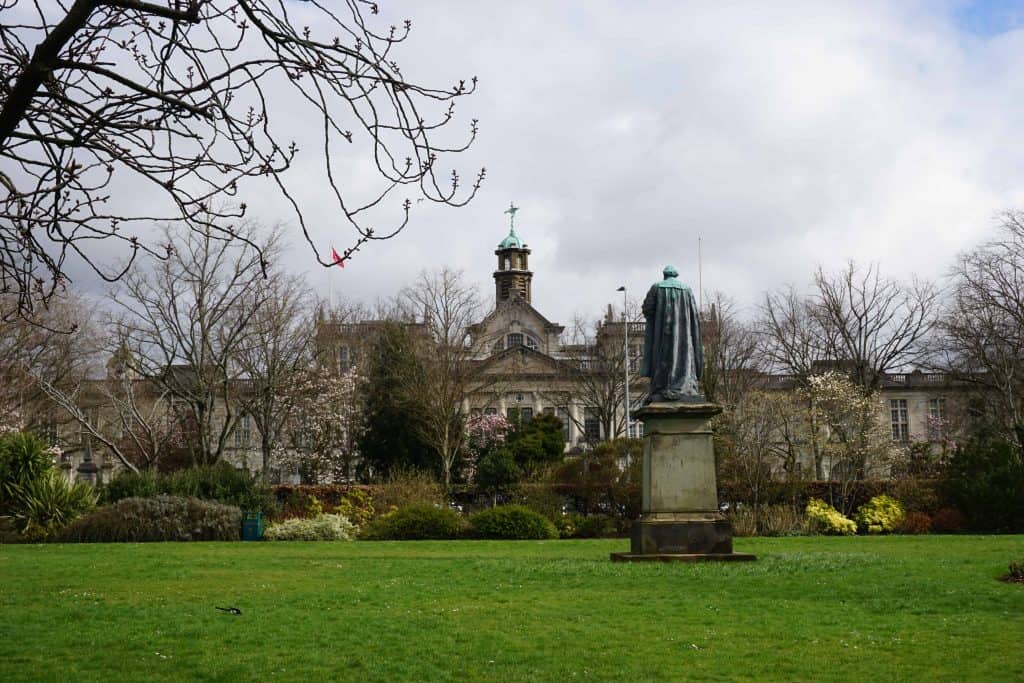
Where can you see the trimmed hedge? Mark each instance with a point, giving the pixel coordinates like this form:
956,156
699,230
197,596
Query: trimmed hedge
416,523
511,522
321,528
164,518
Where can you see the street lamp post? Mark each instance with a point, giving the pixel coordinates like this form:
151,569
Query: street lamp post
625,353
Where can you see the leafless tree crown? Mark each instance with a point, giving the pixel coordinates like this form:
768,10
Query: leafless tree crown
185,98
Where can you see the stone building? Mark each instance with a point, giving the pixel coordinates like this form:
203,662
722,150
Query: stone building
528,365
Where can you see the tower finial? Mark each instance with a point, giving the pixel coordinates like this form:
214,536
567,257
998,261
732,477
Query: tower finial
511,211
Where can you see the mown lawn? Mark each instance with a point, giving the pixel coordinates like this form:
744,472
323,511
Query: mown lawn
810,609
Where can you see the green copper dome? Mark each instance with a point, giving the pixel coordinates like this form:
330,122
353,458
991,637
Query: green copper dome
511,242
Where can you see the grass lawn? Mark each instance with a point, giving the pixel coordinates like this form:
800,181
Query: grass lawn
895,608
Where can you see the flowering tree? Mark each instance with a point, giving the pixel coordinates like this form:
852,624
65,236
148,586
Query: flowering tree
322,430
846,431
483,434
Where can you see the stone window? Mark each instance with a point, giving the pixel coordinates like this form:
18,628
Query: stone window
515,339
531,342
900,420
591,425
243,432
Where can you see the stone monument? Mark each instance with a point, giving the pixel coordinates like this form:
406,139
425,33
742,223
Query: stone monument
680,519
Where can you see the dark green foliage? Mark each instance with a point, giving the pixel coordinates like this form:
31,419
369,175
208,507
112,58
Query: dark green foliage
598,482
23,459
49,502
497,472
985,481
163,518
511,522
1016,573
390,440
595,526
128,484
416,523
39,498
219,482
537,442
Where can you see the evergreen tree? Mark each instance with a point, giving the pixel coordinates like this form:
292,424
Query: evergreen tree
390,438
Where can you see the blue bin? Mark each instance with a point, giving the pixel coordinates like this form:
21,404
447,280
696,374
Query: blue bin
252,526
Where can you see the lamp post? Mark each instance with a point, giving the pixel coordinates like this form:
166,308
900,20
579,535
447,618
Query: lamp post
625,352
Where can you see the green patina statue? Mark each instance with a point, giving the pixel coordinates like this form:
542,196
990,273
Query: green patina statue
673,357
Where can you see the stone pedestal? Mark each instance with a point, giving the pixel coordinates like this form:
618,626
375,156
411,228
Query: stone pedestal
679,518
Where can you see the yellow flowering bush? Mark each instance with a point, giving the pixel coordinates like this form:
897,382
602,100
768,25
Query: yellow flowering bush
880,515
828,520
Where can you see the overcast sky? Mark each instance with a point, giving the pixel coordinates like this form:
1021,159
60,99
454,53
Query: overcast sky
784,134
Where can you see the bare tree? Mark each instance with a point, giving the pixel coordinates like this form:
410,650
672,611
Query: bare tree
855,320
981,337
449,306
274,355
733,361
874,324
792,339
186,318
56,346
593,367
185,98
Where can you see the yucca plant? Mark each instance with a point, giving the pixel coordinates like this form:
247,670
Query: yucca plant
50,502
23,459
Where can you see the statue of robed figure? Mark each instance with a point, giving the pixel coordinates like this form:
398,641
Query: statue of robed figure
673,357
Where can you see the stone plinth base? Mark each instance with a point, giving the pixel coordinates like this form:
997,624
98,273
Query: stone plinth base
704,557
679,518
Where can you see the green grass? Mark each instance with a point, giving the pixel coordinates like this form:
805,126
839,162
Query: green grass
810,609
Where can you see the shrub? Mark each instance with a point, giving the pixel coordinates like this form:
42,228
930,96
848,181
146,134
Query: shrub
916,523
595,526
782,520
23,459
218,482
128,484
415,523
356,506
948,521
49,503
880,515
511,522
986,482
320,528
163,518
1016,573
768,520
827,520
406,488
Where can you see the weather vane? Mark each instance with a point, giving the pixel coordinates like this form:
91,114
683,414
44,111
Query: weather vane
511,211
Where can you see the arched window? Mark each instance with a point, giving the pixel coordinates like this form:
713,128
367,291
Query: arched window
531,342
515,339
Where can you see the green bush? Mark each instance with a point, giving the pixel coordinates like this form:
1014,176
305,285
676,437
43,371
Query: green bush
595,526
827,520
357,507
321,528
416,523
880,515
511,522
50,502
219,482
986,482
163,518
23,459
128,484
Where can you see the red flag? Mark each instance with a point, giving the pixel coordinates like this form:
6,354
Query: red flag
338,260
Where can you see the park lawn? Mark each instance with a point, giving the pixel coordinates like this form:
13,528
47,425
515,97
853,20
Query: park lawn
810,609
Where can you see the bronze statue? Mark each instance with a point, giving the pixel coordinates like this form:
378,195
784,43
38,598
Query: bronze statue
673,357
